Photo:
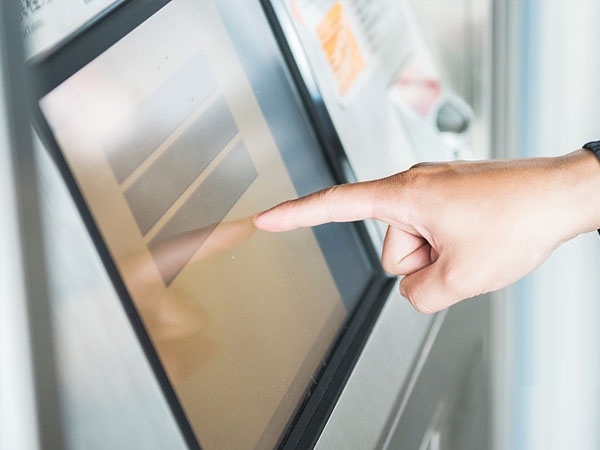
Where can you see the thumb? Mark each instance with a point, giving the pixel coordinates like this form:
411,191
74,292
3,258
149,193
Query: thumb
427,289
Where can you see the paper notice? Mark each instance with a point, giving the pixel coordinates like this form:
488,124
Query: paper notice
340,48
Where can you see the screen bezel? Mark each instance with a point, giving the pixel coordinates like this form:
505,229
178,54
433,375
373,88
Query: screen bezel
319,399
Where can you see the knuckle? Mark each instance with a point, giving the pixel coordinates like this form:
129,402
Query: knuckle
413,177
424,165
417,299
328,197
329,192
425,171
287,210
388,265
420,165
450,280
420,304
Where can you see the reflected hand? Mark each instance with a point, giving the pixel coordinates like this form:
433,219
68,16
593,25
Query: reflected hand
461,229
176,321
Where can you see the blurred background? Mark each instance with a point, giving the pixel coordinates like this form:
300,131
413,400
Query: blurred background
545,340
529,71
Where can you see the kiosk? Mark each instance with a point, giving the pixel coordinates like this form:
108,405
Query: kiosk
163,127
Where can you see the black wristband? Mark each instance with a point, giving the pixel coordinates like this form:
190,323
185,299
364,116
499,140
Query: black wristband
593,146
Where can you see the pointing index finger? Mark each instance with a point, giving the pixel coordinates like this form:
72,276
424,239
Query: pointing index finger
342,203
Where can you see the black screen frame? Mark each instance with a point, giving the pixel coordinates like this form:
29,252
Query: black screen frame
319,399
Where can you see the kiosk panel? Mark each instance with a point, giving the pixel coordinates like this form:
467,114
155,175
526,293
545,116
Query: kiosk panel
171,139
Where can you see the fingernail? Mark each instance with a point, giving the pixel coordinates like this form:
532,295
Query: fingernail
256,218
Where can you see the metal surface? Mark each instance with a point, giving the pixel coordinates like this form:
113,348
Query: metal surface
29,402
380,378
447,406
17,402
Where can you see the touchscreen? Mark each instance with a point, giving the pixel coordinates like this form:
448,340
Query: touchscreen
169,146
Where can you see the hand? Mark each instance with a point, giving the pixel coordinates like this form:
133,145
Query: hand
461,229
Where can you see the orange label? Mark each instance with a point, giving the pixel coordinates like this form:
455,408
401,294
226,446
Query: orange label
340,47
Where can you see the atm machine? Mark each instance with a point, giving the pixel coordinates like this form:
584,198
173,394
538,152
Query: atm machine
161,127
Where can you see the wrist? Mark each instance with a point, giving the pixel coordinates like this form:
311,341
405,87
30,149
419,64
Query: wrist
581,172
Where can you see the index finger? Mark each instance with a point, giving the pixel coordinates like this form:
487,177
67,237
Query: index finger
342,203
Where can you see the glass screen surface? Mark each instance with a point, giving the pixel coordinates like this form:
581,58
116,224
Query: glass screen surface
176,135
